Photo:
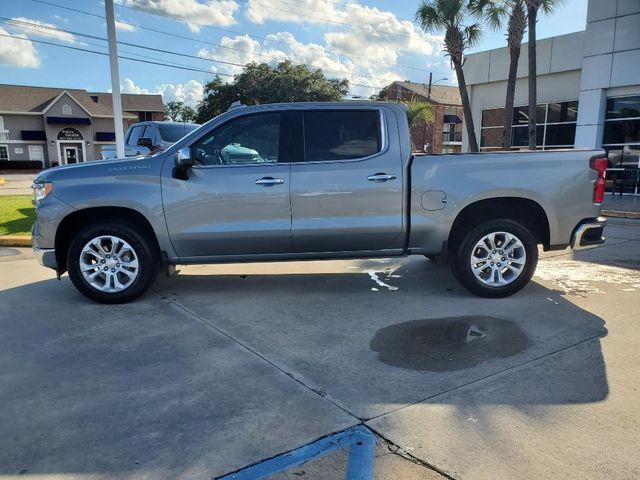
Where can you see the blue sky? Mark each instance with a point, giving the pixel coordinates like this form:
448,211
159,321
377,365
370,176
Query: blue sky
370,42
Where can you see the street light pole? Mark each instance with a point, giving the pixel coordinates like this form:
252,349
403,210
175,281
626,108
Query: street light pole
115,78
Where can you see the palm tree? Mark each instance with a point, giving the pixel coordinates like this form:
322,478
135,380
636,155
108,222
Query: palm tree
533,7
418,110
449,16
494,12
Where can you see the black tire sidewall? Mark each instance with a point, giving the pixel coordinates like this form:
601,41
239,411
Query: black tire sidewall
462,266
147,260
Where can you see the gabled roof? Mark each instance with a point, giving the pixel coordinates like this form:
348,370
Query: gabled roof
444,94
21,99
59,96
134,102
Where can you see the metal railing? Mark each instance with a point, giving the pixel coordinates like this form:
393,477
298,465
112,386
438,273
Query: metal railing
452,136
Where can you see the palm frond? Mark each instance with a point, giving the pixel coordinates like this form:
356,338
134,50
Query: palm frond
472,34
419,110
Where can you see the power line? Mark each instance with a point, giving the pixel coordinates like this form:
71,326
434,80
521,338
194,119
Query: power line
254,37
86,50
38,27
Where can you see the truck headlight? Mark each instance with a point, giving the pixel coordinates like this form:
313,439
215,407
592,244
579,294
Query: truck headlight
40,191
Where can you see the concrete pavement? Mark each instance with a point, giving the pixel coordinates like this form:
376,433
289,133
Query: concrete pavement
224,366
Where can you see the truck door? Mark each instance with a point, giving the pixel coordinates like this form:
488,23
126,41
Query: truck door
346,181
236,199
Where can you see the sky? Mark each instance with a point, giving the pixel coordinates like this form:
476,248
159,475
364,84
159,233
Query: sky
369,42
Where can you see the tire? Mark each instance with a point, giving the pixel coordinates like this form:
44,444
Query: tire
500,271
128,276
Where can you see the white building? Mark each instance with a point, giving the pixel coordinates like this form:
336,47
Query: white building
588,87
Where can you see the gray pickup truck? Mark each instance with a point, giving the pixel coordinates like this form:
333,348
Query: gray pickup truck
313,181
144,138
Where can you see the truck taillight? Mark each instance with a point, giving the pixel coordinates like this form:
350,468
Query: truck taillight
599,164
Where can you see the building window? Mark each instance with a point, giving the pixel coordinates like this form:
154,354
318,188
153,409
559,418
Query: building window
622,138
94,98
66,110
555,126
36,153
4,134
4,152
145,116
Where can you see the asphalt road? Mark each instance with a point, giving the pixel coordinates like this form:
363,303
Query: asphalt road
225,366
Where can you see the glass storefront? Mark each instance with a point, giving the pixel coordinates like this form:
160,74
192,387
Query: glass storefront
622,142
556,126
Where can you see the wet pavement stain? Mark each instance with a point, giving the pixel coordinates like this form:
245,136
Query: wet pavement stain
448,343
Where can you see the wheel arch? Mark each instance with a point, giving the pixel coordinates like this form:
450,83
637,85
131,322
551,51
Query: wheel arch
524,210
81,218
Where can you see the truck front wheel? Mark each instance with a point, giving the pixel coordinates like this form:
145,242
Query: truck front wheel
496,258
111,262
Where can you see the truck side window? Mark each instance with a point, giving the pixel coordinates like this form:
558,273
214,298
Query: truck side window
134,135
341,134
253,139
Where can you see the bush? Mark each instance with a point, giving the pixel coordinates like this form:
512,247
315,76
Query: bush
20,165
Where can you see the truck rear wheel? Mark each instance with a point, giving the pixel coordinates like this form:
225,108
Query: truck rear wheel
111,262
496,258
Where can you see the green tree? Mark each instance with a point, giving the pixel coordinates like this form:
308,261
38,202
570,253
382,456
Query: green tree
533,7
179,112
260,83
450,16
494,12
418,110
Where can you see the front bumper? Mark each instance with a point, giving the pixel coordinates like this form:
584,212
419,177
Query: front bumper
46,257
588,233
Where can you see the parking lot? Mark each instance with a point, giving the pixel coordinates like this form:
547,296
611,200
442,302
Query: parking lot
225,366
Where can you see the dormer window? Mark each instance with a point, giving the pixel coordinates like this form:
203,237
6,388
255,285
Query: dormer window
66,110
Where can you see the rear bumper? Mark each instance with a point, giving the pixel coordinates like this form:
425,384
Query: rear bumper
588,233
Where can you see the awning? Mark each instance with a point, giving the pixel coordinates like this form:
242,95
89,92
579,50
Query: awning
105,136
452,119
69,120
33,135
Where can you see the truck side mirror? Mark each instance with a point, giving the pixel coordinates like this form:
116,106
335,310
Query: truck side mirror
182,163
146,142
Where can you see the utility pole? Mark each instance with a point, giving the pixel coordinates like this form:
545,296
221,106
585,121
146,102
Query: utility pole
115,78
429,91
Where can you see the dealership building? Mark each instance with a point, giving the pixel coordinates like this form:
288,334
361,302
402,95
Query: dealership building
588,88
56,126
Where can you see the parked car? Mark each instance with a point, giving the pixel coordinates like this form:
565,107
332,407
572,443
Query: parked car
143,138
328,180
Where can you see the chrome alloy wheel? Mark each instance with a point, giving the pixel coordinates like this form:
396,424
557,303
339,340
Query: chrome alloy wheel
109,264
498,259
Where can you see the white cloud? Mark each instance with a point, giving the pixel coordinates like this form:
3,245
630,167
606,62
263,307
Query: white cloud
42,29
309,11
17,53
193,12
189,92
282,46
125,27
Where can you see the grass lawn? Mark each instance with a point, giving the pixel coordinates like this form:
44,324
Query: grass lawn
16,214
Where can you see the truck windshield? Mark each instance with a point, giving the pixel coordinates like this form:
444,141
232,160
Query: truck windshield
172,132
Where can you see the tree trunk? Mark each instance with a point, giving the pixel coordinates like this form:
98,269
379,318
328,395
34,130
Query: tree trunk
515,33
466,107
508,104
532,12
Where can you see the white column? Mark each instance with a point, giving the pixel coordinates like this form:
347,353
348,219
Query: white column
592,107
115,78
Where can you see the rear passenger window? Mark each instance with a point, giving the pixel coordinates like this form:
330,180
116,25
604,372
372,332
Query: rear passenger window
136,133
341,134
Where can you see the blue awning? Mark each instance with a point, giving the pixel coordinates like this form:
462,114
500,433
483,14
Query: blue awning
34,135
452,119
105,136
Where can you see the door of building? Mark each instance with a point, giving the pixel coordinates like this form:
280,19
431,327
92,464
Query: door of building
70,155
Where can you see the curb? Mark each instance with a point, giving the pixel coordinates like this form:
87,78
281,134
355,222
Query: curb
619,214
15,241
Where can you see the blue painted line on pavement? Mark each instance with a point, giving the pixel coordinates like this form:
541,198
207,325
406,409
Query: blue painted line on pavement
360,442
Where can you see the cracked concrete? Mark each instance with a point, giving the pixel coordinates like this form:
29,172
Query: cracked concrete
223,366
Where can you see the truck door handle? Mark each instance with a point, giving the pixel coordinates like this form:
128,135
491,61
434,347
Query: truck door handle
381,177
269,181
